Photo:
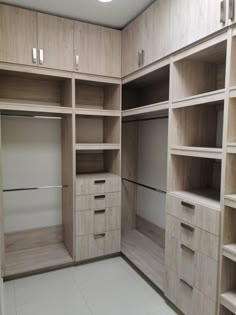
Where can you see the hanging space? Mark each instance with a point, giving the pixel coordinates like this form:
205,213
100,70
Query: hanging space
144,172
36,172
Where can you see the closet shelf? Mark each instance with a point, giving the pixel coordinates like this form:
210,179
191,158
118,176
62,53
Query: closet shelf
146,110
232,92
207,197
231,147
209,97
201,152
230,200
97,112
97,146
229,251
36,107
228,300
28,260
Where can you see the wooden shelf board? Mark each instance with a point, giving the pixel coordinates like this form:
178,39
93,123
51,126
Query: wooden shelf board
145,255
210,97
228,300
97,112
230,200
229,251
206,197
24,261
232,92
211,153
146,110
37,107
97,146
231,147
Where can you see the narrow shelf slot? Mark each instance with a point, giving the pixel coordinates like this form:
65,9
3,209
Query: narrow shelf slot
228,300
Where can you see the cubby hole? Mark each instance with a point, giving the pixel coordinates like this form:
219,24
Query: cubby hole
230,179
231,122
200,73
228,286
150,89
98,162
233,63
97,130
198,126
201,176
31,89
229,226
96,95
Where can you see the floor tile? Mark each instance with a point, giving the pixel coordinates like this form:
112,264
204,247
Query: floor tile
9,298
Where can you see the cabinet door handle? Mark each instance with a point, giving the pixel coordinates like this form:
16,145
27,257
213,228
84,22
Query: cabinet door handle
99,211
41,56
222,11
100,181
139,58
77,62
96,236
99,197
187,227
142,57
231,9
34,55
186,283
187,205
187,249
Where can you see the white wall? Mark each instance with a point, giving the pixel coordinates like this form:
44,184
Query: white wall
31,156
152,169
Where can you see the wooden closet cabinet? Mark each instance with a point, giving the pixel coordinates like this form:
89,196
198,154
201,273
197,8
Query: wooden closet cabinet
55,42
147,38
97,50
18,35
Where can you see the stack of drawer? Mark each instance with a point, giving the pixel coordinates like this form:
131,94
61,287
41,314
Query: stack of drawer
98,215
192,254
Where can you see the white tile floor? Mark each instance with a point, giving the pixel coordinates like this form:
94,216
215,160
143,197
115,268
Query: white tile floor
109,287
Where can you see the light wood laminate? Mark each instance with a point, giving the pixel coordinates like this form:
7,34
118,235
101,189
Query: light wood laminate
18,33
55,38
98,49
228,299
210,153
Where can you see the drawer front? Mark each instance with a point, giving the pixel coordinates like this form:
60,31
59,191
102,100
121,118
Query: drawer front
98,201
98,221
189,235
181,208
208,219
97,185
187,264
171,252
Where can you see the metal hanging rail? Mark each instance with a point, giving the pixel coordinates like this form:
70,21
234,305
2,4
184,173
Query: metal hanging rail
35,188
145,186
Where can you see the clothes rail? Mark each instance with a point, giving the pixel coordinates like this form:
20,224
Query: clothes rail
30,116
145,186
144,119
35,188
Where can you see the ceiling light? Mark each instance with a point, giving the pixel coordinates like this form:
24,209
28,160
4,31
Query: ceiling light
105,0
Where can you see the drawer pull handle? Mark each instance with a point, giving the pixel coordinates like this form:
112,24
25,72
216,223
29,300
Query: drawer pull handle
186,283
100,181
99,197
96,236
187,227
231,9
187,205
99,211
187,249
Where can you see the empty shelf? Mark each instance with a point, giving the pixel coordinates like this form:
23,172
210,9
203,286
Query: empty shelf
210,97
97,146
232,92
202,152
230,201
229,251
231,147
97,112
228,300
145,255
156,108
28,260
206,197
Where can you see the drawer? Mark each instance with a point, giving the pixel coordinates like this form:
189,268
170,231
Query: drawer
171,252
197,215
187,260
98,221
189,235
97,184
97,245
98,201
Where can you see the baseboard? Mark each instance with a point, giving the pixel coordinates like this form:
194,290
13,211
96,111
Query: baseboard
1,298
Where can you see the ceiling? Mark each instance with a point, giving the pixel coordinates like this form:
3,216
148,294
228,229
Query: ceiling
116,14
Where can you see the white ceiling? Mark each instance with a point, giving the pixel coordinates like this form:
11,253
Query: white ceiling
116,14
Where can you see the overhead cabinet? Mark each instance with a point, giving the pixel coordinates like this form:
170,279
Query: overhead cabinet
97,50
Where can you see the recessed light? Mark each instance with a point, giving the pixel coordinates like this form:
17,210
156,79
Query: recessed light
105,0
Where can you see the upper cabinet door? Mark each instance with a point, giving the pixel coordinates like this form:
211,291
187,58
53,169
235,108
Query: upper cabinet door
195,19
97,50
55,42
18,35
147,38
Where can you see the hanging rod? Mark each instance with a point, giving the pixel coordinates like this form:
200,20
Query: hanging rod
145,186
35,188
30,116
143,119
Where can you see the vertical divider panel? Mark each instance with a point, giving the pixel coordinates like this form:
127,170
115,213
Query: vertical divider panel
2,246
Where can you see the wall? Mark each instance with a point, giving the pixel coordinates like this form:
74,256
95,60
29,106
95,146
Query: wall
31,156
152,169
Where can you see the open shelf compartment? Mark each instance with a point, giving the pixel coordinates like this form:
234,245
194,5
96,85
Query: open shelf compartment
228,287
200,73
150,89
